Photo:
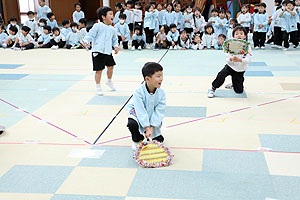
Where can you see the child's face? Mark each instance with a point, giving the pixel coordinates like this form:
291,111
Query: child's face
122,21
290,6
81,25
52,18
214,14
244,9
155,80
178,7
31,16
162,29
136,6
231,23
46,31
137,32
67,25
189,9
41,3
128,6
222,15
173,30
12,32
13,22
209,30
74,29
153,6
108,19
261,9
239,34
169,8
78,8
24,32
183,35
159,7
197,13
151,9
220,40
297,2
56,33
197,39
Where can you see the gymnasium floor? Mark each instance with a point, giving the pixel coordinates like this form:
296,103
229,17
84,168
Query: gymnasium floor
232,147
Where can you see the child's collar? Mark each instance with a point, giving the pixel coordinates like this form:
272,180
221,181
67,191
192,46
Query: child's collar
149,90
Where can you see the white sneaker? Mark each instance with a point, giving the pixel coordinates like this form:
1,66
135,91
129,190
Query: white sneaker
256,48
229,86
171,48
111,85
139,48
175,48
54,47
133,48
99,91
2,129
148,46
285,49
134,146
211,94
273,46
16,49
262,47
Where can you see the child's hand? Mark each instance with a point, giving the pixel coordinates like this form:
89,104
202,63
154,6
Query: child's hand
235,59
123,38
173,43
260,26
220,24
116,50
149,132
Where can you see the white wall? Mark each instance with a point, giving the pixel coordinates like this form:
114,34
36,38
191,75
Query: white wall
270,6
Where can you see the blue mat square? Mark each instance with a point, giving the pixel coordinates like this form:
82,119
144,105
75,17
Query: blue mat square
181,111
34,179
9,66
12,76
229,94
287,187
114,157
200,185
84,197
258,68
257,64
258,73
108,100
288,143
235,162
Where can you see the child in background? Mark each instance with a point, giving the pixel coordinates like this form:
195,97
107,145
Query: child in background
230,29
172,37
149,25
220,42
12,36
82,28
57,40
277,33
169,16
103,37
44,39
43,10
156,29
31,23
256,6
24,41
51,20
123,31
161,14
235,67
196,45
260,27
297,3
13,22
119,9
198,22
78,13
40,30
209,37
289,14
183,41
221,23
73,37
138,14
129,16
188,19
276,4
228,15
147,107
66,27
179,17
3,35
161,38
138,39
214,19
245,18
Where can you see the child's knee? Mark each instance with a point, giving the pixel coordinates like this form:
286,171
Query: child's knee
159,138
132,124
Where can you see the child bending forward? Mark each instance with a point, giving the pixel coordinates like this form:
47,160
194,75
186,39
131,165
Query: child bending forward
146,109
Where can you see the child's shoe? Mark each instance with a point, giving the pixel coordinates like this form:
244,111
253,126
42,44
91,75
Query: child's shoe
175,48
139,48
16,48
54,47
2,129
229,86
99,91
133,48
256,48
134,146
285,49
171,48
211,94
148,46
262,47
110,84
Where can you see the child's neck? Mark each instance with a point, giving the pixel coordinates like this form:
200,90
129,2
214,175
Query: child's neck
151,89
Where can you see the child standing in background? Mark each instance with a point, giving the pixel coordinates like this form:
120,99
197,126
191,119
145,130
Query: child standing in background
161,38
209,37
66,27
82,28
260,27
129,16
230,29
138,14
51,20
78,13
31,23
169,16
161,14
188,19
221,23
214,19
43,10
198,22
119,9
179,17
245,18
149,25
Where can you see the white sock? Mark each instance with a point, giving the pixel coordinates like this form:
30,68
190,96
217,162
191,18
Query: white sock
109,80
98,86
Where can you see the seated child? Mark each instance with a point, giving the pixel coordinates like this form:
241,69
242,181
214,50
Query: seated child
51,20
73,37
3,35
161,38
147,107
44,39
232,22
40,29
24,41
183,41
172,37
138,39
82,27
13,22
31,23
235,66
12,36
196,45
220,42
66,27
57,39
123,31
209,37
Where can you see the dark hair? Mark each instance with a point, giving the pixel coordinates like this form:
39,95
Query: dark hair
122,16
246,6
189,5
74,24
166,29
120,6
43,20
152,3
235,20
148,7
239,28
48,28
173,26
222,11
49,15
55,29
26,29
236,24
292,2
138,28
170,4
215,10
263,5
278,1
150,68
198,9
285,2
13,29
182,31
65,22
128,2
30,13
223,36
43,1
207,26
139,4
278,7
13,19
103,12
89,28
77,4
83,21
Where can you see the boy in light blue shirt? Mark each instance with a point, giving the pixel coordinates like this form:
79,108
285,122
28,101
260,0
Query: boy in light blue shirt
43,10
73,37
123,31
172,37
260,27
103,37
146,109
44,39
51,20
214,19
66,27
77,14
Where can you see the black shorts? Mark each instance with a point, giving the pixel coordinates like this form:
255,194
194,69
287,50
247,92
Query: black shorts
101,60
130,26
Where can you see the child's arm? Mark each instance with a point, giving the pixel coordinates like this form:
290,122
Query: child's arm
141,112
266,20
115,41
92,33
159,112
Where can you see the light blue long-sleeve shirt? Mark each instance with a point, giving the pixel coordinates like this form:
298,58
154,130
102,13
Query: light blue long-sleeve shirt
45,39
77,16
263,19
289,21
123,29
209,41
65,31
116,17
179,19
73,38
52,24
43,11
169,18
103,38
215,26
173,36
161,15
147,109
221,29
149,20
139,37
189,17
3,37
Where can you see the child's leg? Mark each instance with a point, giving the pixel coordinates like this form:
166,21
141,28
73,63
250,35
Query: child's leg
220,79
61,44
256,39
237,81
293,38
262,39
159,138
148,35
156,135
247,30
285,37
298,32
142,43
98,75
119,40
135,43
110,70
125,45
29,46
134,130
